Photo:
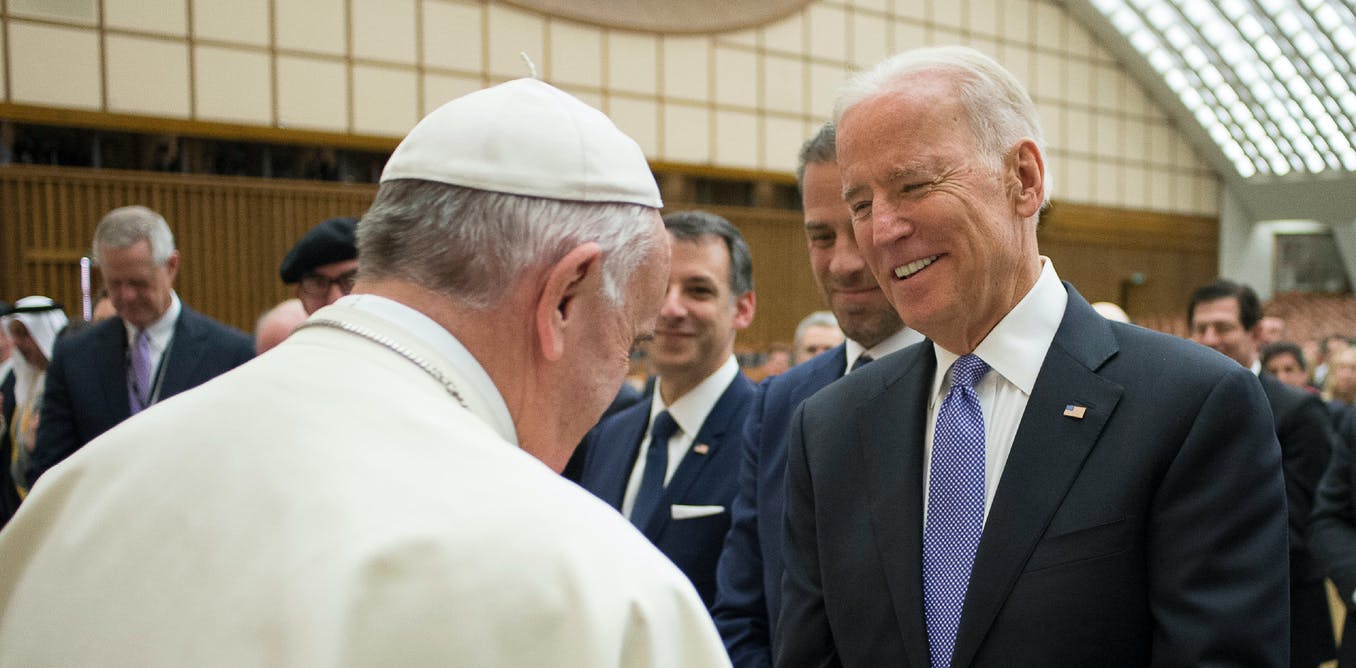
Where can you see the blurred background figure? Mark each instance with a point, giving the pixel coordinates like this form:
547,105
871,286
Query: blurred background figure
778,358
32,325
323,264
1327,351
103,308
1339,385
1111,311
277,324
1285,361
817,333
1270,329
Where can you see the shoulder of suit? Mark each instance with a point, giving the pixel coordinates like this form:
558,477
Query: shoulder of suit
191,318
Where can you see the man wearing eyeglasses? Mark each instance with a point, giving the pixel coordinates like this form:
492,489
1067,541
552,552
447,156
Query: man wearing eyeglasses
323,264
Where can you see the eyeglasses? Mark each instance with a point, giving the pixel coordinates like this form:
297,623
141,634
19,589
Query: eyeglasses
315,285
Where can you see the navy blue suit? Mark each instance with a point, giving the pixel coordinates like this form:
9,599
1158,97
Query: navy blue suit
1147,528
702,479
749,576
86,391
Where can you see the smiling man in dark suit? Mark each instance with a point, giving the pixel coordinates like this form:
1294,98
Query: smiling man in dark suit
1037,486
670,464
156,347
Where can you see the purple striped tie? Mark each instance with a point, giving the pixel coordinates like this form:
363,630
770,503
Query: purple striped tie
139,376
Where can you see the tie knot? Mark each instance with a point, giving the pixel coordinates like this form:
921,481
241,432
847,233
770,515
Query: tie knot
663,428
861,361
967,370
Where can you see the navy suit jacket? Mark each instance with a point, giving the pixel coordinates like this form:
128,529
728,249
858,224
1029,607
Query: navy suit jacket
86,391
749,576
1147,529
708,479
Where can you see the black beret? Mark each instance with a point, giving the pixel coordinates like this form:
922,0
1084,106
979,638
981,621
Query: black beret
326,243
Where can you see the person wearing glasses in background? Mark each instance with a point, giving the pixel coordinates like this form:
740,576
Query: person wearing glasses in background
323,264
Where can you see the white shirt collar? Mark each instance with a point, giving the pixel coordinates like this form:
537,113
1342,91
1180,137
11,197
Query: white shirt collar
900,340
691,409
162,330
433,335
1017,345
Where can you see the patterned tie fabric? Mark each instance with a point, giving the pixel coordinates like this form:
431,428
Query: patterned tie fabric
656,467
955,507
861,361
139,375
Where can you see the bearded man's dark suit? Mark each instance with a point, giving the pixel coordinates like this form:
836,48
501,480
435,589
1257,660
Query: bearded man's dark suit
1147,529
87,393
706,476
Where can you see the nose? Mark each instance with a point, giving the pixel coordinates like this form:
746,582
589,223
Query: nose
888,223
333,293
847,260
672,307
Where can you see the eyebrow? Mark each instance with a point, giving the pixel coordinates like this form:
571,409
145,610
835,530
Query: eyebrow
912,169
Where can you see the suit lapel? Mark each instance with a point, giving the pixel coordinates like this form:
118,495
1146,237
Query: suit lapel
185,353
626,428
109,360
1047,454
892,449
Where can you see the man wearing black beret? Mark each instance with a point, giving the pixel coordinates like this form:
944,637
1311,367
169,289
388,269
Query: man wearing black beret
323,264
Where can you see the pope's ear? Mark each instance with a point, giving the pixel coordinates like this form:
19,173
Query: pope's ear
558,306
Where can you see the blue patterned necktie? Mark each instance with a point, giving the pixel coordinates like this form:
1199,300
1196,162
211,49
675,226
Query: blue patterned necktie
651,490
955,507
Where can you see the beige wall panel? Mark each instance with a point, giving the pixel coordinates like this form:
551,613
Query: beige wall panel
239,21
825,81
985,45
312,94
1161,138
870,39
1184,192
384,30
233,85
1184,155
1052,124
1078,83
440,88
1136,144
873,5
947,14
162,16
1048,77
589,97
1017,59
633,62
786,35
986,18
576,55
1080,42
3,87
747,38
1056,166
79,11
1106,183
639,119
1016,21
784,84
52,66
1052,24
1107,81
385,100
909,35
827,25
781,143
1077,134
511,33
687,135
311,25
453,36
736,77
1074,184
914,9
1109,132
1135,184
147,76
1207,195
686,65
1160,189
737,139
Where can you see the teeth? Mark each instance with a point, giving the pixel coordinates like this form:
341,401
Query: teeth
914,267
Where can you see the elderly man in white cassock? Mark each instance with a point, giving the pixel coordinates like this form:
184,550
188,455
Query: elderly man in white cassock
382,488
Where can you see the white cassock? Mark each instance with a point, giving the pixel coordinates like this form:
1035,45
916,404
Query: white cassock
331,504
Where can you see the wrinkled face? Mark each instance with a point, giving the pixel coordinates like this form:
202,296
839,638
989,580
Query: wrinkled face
138,287
950,237
818,339
325,284
697,323
1217,324
1287,369
863,312
26,344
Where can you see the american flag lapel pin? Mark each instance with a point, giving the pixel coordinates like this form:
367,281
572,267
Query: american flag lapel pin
701,448
1075,411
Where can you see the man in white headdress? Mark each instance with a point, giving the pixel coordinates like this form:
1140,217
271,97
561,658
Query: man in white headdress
32,327
382,488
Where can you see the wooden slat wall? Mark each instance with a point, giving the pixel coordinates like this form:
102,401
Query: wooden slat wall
233,232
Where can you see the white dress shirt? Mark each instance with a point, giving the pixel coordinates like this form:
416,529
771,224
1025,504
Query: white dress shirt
1014,350
159,334
897,341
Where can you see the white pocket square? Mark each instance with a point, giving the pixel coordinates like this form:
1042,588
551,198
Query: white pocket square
690,512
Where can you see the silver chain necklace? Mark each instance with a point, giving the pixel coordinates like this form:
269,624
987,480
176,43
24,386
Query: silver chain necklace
393,347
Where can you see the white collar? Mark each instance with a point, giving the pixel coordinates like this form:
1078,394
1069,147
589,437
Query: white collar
433,335
162,330
900,340
1017,345
691,409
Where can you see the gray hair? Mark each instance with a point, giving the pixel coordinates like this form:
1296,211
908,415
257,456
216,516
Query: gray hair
816,319
999,110
128,225
472,245
693,225
818,149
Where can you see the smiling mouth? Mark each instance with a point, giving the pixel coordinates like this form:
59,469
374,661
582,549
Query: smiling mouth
914,267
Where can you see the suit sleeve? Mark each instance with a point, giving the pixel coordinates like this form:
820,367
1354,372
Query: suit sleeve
740,610
1306,438
1217,538
57,436
1332,530
805,638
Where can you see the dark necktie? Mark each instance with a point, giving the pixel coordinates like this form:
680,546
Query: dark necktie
955,507
861,361
651,490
